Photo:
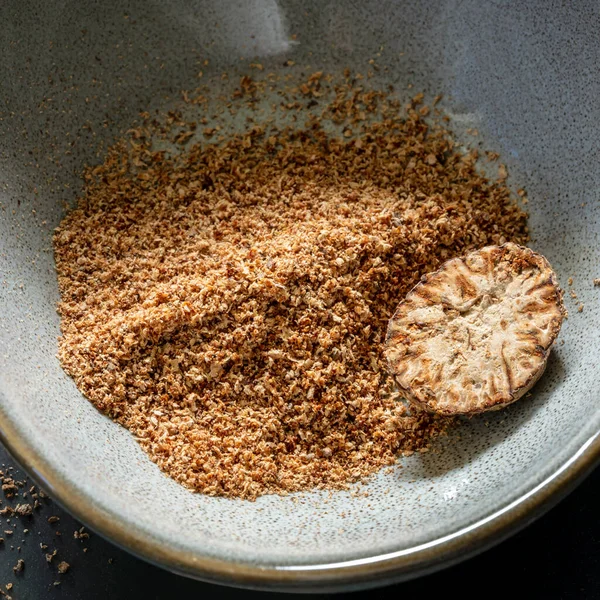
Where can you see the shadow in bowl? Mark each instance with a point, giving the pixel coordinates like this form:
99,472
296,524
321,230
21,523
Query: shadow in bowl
472,437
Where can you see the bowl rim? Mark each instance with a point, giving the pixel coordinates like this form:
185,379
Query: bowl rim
352,574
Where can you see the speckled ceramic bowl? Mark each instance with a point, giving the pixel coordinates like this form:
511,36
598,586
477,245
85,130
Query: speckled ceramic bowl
74,74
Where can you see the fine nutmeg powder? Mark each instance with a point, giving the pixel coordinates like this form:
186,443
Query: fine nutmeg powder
227,303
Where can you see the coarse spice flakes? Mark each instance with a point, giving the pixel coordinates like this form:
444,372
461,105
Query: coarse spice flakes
228,303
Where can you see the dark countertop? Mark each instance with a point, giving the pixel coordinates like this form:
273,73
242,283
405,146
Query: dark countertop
558,556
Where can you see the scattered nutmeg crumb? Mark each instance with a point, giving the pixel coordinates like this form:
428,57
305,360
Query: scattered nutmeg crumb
19,566
63,567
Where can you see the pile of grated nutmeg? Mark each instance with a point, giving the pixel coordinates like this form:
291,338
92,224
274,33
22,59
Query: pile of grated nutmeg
227,303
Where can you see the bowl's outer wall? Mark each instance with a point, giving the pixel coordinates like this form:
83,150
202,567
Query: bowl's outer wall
74,75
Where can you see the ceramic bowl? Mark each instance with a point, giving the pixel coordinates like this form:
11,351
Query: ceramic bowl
74,74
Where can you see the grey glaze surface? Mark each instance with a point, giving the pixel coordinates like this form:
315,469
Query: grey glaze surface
75,75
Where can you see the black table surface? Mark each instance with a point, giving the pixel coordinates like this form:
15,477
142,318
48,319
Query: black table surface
557,556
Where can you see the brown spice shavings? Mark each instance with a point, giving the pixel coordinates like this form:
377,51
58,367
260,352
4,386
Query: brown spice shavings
63,567
596,282
19,566
23,510
228,304
9,488
53,519
81,534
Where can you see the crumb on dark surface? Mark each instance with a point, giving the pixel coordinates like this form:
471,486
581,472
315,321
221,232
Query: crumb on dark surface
63,567
23,510
19,566
81,534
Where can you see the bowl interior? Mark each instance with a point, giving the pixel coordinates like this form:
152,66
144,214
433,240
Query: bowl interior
74,77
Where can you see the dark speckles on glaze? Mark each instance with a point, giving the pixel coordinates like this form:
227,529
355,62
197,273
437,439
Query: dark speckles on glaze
524,75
